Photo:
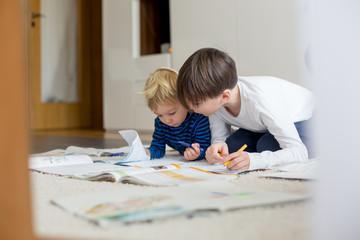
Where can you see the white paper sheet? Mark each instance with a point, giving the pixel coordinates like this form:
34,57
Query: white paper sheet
137,151
53,161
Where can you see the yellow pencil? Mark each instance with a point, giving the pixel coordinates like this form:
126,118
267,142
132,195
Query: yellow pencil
241,149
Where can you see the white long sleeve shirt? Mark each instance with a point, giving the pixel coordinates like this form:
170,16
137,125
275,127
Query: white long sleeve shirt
268,104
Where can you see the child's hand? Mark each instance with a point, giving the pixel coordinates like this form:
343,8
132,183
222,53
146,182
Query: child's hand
238,161
148,152
212,154
193,152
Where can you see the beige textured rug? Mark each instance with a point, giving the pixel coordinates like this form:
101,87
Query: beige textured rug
281,221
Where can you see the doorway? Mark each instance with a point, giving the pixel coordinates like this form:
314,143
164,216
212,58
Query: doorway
60,109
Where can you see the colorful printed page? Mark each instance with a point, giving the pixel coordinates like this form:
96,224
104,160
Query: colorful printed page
174,162
132,168
216,168
127,206
175,177
163,163
226,196
196,171
118,207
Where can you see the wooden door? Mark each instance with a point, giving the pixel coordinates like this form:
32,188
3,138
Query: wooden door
60,115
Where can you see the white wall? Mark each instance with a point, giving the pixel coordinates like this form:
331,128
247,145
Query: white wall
267,33
125,72
201,23
260,35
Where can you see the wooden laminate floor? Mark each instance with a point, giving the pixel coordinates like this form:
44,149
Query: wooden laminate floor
43,141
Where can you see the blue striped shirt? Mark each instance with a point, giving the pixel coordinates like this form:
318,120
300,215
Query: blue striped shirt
194,129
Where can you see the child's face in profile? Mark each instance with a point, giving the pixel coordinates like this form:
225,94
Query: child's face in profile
208,107
171,113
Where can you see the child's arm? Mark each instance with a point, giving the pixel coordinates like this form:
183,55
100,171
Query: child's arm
220,130
157,147
202,138
284,131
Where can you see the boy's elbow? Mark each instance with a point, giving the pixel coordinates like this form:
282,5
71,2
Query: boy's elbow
303,154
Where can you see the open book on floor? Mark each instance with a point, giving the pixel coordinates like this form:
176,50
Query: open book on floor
135,167
132,205
85,167
79,160
69,165
161,173
134,152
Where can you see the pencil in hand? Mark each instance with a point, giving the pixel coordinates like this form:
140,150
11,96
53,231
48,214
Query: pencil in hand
240,150
189,145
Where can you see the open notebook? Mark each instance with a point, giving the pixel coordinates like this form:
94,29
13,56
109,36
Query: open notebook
78,160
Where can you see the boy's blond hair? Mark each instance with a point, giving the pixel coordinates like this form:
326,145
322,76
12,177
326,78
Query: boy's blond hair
160,87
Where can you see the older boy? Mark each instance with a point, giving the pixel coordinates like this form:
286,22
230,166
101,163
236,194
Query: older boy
272,114
174,123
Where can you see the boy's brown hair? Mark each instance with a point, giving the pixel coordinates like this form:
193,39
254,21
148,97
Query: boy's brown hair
205,74
160,87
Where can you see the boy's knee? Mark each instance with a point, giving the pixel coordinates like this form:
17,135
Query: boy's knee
241,137
267,143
